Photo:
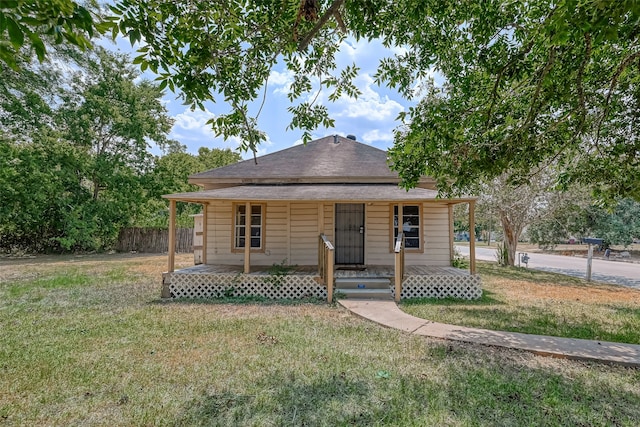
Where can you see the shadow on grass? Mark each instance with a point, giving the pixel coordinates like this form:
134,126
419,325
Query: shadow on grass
466,389
285,399
508,394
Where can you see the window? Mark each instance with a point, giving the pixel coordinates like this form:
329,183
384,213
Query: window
256,227
410,226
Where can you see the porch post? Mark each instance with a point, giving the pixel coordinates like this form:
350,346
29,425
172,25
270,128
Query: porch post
329,274
204,232
397,274
452,252
472,237
247,237
400,220
398,261
172,236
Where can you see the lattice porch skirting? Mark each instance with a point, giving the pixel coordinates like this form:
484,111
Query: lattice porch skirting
188,285
441,286
185,285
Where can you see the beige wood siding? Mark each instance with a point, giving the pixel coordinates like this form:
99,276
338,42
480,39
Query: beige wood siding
377,223
291,232
219,222
276,237
329,221
220,238
284,222
435,220
303,221
198,236
435,233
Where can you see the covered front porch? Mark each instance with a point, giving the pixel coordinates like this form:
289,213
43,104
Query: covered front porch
403,253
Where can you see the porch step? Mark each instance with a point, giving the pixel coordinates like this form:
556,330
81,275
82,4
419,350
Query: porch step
362,283
377,294
363,287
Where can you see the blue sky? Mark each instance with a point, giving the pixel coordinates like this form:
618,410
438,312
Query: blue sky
371,117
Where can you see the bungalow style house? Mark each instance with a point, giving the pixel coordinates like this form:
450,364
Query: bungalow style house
316,219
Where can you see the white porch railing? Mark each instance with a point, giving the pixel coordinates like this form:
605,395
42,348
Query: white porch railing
325,264
399,265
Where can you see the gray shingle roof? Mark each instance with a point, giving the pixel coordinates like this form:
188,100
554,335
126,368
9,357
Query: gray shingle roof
328,159
314,192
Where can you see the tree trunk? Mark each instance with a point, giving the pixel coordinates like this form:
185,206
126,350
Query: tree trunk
511,235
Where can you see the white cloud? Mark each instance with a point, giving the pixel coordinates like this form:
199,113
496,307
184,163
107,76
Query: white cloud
193,122
399,50
280,81
366,54
369,105
377,135
191,129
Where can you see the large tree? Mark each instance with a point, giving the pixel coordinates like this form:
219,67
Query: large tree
521,84
170,174
529,84
114,119
517,207
74,152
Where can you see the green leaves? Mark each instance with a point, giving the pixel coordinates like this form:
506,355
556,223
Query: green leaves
16,36
526,85
27,23
227,50
74,169
507,86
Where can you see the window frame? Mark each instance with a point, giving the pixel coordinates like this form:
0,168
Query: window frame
235,227
393,227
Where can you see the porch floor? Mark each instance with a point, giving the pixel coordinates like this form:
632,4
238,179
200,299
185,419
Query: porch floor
369,271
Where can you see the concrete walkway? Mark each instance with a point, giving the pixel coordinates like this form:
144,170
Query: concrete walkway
388,314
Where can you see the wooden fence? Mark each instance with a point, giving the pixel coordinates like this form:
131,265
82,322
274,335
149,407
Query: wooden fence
153,240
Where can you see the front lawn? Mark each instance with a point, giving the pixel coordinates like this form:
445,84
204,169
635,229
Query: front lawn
86,341
536,302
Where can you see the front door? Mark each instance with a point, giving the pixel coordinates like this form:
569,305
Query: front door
349,233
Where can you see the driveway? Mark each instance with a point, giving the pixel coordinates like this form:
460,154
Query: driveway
606,271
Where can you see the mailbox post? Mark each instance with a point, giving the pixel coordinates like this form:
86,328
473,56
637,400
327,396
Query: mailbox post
590,241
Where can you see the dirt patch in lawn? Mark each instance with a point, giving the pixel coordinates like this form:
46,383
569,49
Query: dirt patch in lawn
34,266
526,290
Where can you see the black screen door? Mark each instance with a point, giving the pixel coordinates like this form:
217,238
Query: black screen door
349,233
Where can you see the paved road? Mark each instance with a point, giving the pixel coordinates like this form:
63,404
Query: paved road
607,271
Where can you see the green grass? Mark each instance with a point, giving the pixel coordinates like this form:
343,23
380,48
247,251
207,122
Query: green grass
564,314
103,350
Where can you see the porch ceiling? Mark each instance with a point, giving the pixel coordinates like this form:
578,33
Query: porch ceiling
315,192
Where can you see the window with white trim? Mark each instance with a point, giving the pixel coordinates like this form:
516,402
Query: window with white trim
256,226
410,226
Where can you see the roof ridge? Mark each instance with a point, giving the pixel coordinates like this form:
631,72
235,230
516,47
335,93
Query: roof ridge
329,156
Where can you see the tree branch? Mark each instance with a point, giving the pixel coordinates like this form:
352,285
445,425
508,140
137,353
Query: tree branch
494,92
543,73
583,64
321,22
527,49
614,81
